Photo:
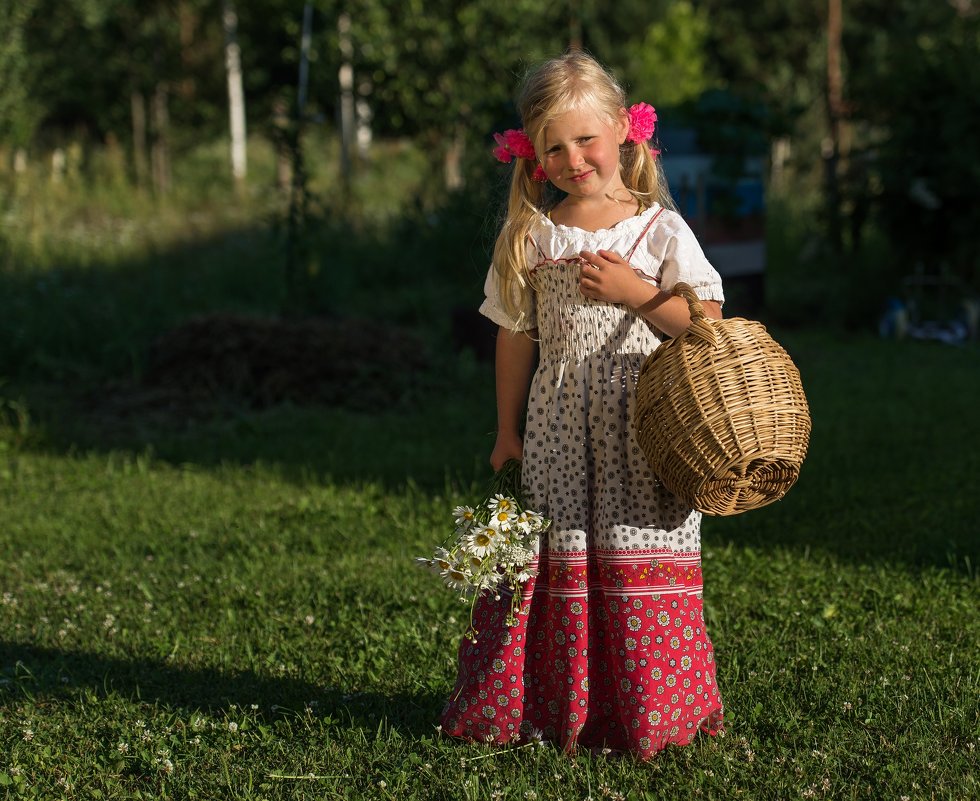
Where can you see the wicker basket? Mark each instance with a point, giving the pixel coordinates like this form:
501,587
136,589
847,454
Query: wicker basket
721,414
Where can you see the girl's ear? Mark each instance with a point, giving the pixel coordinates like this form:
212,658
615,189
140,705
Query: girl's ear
622,125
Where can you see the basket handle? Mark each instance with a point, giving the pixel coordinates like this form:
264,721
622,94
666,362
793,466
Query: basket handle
700,326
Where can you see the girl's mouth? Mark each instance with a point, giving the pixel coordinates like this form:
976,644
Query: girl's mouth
580,177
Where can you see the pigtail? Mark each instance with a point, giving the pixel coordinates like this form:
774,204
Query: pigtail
510,251
644,176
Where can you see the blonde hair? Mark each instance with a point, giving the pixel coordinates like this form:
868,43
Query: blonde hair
571,81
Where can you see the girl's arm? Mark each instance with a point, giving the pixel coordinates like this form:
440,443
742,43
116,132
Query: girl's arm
517,354
609,277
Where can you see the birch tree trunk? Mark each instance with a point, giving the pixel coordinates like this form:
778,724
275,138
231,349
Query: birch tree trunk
236,93
345,78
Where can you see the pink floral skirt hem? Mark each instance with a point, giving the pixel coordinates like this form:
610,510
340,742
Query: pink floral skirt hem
623,662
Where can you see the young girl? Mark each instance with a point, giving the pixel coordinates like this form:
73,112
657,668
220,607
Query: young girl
610,649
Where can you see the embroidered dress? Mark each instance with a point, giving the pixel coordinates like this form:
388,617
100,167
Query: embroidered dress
610,649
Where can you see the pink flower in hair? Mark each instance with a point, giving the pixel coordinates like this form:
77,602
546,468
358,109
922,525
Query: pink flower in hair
513,143
539,174
520,144
501,152
643,122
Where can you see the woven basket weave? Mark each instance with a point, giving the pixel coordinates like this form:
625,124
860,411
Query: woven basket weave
721,415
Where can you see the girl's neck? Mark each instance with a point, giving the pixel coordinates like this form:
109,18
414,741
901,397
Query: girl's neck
594,214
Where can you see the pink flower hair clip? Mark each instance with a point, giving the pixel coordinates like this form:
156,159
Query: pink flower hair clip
513,144
643,122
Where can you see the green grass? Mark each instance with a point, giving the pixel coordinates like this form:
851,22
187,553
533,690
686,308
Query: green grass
225,606
237,601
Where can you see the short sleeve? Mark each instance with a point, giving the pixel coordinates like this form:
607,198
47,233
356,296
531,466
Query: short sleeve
493,307
676,256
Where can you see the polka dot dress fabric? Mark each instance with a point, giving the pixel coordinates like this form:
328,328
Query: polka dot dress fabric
610,649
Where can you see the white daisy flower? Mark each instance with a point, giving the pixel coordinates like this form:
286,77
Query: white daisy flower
501,503
465,516
502,520
442,560
536,522
524,522
481,541
456,578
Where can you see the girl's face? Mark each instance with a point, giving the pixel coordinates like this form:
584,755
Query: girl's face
581,153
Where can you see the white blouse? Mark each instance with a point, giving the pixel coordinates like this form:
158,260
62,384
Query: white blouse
667,252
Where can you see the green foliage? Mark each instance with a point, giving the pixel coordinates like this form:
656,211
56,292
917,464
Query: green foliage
770,50
19,111
669,65
919,145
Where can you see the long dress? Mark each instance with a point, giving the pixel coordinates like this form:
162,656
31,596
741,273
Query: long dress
610,648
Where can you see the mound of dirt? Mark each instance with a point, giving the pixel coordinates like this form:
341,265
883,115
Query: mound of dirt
264,361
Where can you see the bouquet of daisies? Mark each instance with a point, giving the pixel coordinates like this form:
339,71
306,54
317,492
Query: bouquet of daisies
492,545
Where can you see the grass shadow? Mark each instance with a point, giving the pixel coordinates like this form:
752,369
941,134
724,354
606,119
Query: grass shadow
51,674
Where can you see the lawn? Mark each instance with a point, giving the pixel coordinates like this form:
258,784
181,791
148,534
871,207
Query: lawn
220,601
233,612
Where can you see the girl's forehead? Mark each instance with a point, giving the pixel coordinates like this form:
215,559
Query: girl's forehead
576,121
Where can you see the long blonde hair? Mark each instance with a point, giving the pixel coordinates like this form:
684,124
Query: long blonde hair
571,81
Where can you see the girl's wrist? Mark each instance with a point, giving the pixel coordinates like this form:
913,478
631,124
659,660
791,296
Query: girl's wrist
641,294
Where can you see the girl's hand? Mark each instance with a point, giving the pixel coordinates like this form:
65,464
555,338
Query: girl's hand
507,446
609,277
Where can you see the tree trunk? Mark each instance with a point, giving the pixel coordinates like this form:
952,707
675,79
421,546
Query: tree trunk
160,150
140,161
346,109
363,116
281,135
834,113
236,93
187,23
453,170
